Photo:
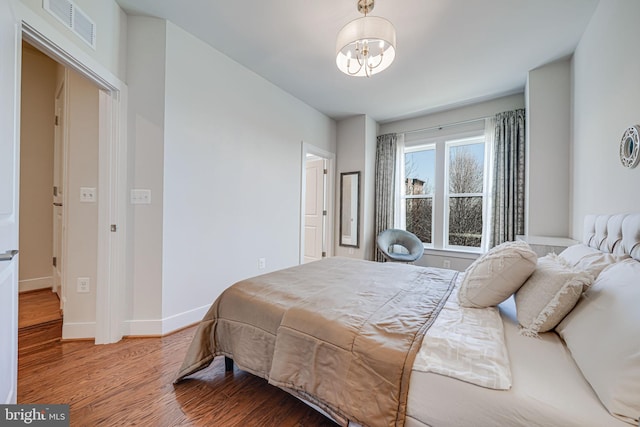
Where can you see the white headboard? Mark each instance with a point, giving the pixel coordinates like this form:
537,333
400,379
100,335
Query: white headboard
617,234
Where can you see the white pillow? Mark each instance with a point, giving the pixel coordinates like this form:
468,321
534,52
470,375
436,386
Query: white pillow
496,275
603,334
590,259
549,294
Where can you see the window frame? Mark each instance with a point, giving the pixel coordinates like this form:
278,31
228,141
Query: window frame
457,142
402,190
440,207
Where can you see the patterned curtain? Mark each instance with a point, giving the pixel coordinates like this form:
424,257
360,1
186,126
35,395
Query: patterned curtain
385,186
507,210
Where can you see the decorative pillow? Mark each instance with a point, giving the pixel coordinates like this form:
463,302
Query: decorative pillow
496,275
549,294
603,334
590,259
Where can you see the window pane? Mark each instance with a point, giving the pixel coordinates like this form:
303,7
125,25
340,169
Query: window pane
465,221
466,168
418,219
419,171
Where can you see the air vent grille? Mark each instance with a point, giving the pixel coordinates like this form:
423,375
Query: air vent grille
61,9
73,18
84,27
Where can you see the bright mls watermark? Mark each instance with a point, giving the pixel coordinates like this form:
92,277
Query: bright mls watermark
34,415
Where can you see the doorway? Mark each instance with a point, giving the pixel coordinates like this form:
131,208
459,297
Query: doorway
59,151
316,204
92,285
40,223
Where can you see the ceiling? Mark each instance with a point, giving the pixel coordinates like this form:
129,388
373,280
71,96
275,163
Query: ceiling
449,52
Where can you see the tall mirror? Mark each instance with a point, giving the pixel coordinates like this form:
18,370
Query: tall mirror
349,209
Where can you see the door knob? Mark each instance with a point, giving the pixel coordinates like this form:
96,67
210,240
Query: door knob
8,255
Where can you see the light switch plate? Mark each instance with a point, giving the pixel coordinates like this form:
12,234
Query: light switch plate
87,194
140,196
84,285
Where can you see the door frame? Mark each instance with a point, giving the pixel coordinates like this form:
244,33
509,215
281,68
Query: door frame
329,189
112,148
60,169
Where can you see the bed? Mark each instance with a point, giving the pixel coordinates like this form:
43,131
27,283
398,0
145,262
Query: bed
385,344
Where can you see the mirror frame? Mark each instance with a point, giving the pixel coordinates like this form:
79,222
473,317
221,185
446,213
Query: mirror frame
344,202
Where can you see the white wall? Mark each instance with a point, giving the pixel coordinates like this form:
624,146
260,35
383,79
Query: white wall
111,23
350,157
548,113
146,81
232,175
369,190
606,90
468,112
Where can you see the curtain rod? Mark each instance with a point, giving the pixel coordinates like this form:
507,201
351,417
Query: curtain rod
440,127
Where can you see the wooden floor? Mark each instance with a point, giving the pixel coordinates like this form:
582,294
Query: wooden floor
130,383
36,307
39,319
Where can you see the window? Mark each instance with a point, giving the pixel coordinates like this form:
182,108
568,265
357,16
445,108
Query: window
465,192
443,192
419,181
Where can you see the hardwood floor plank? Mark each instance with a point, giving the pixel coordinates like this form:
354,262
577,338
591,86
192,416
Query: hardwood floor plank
35,307
131,383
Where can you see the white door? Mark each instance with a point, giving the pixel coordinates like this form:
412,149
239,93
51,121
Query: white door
9,179
314,213
58,192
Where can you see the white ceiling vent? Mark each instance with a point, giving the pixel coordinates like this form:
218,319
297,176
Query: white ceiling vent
73,18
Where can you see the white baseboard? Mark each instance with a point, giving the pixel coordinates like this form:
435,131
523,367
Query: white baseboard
142,328
84,330
179,321
166,325
78,331
35,284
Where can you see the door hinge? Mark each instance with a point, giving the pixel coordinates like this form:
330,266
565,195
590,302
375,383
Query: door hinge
324,171
324,213
55,191
57,120
55,261
114,228
324,254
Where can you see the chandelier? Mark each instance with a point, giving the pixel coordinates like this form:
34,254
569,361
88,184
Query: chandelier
367,45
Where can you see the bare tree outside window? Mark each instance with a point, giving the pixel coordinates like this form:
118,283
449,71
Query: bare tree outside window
419,193
443,201
466,177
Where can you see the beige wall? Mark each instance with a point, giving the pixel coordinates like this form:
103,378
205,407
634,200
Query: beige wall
82,217
40,74
36,169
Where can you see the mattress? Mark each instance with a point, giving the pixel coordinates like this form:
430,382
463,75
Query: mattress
547,387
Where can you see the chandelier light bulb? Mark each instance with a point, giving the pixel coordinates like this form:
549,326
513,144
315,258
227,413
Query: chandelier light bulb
353,54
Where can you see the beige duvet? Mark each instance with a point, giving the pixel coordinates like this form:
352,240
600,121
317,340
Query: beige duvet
340,333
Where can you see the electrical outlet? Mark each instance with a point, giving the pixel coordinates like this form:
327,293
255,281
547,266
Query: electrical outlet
446,263
84,285
262,263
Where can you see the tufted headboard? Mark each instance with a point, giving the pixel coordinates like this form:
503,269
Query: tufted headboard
617,234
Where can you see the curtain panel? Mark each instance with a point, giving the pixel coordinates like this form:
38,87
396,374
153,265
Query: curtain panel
507,213
386,150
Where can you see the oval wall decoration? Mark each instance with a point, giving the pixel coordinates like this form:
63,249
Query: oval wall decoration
630,147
